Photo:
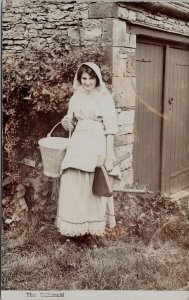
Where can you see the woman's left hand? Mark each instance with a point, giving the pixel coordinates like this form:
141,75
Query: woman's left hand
108,164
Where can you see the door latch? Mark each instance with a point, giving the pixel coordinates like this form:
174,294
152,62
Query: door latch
171,100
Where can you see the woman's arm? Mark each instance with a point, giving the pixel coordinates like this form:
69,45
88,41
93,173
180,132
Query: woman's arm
67,121
111,128
109,152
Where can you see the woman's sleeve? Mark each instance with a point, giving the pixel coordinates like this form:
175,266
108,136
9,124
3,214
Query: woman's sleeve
110,116
70,112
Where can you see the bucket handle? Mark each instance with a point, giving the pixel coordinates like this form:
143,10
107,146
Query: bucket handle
49,134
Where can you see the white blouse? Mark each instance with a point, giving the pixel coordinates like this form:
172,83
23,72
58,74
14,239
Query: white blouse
95,116
96,107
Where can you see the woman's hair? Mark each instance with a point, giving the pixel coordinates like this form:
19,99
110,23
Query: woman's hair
86,69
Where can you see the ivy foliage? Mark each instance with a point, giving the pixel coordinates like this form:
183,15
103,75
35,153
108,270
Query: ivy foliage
37,86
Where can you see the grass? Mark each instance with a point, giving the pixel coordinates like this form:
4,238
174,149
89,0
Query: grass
40,262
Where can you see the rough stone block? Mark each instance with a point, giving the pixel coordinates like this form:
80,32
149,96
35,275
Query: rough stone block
152,21
81,14
17,3
37,43
57,15
107,24
91,24
20,42
51,7
131,64
124,139
107,31
132,16
107,55
81,6
126,117
167,26
32,33
7,42
18,10
93,35
84,14
5,5
35,26
120,140
127,177
124,91
140,16
11,18
41,18
18,48
124,129
158,18
103,10
40,40
65,6
119,33
49,25
16,33
53,1
131,40
74,35
30,12
186,30
123,13
118,184
170,20
27,20
180,22
131,50
66,22
47,32
121,150
119,61
125,164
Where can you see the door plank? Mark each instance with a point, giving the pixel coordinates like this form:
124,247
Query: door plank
166,126
179,85
149,68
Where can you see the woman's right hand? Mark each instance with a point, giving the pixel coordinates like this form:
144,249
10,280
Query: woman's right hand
67,124
109,164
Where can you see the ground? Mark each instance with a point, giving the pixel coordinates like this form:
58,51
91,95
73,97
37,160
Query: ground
127,259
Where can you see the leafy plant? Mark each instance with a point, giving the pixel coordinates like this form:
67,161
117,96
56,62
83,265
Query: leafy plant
151,218
37,86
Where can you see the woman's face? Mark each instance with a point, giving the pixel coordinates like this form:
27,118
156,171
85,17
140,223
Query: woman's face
88,82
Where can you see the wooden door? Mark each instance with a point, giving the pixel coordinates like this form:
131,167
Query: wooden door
175,171
148,116
161,147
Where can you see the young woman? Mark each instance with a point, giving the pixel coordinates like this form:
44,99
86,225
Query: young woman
92,113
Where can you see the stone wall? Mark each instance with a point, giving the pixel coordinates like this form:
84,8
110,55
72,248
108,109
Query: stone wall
160,21
122,49
34,23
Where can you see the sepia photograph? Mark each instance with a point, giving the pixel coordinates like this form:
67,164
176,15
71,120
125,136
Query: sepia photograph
95,150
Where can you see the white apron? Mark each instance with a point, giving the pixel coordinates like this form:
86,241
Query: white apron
87,146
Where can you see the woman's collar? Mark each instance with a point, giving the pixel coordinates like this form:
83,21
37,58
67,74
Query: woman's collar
81,90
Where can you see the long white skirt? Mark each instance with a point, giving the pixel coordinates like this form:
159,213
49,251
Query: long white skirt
79,211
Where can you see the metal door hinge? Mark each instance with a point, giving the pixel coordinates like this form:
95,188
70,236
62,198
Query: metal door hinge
182,65
143,60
